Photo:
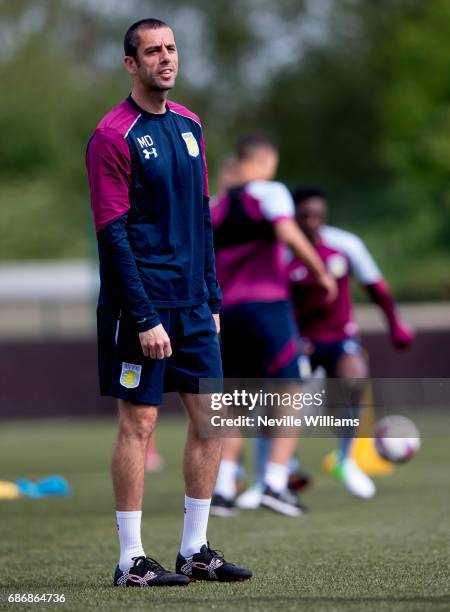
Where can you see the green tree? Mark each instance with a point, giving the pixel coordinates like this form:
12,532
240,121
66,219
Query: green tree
355,92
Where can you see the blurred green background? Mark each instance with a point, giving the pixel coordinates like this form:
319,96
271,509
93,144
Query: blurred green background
355,92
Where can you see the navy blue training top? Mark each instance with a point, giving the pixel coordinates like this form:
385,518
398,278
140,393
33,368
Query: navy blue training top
149,196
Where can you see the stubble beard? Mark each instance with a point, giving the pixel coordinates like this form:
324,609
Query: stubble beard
152,86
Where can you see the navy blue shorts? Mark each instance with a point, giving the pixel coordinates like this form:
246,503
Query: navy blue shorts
327,354
126,374
259,340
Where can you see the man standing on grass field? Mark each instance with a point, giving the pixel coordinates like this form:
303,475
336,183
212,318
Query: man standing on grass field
159,299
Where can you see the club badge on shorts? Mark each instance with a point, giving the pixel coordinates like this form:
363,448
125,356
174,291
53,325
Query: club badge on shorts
130,375
191,143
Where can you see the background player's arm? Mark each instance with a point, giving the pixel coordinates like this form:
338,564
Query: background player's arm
401,333
277,206
288,232
109,173
369,276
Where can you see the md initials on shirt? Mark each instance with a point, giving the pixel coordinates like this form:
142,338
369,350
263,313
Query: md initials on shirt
147,141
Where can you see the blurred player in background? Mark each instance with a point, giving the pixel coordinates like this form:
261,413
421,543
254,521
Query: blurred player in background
330,329
253,223
159,299
329,332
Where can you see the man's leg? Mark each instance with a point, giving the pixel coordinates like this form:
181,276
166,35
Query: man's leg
282,449
352,370
228,469
277,469
276,495
136,424
201,461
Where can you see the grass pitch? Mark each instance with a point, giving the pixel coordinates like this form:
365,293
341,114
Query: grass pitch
388,554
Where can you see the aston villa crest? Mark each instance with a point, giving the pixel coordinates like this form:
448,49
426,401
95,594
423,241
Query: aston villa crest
191,143
130,375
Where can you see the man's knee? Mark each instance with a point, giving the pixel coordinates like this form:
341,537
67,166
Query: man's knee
137,420
207,446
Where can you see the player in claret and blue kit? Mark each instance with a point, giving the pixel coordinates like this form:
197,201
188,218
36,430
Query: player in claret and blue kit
253,225
330,328
159,298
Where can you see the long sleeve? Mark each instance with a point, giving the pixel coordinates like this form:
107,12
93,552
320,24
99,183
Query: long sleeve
401,334
113,242
215,294
109,170
381,296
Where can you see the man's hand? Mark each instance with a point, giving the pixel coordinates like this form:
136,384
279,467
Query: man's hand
327,282
155,343
401,335
216,318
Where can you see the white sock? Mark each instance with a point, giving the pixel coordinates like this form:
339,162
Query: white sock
276,476
196,514
226,479
129,529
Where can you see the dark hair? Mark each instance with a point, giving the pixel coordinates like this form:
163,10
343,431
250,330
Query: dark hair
249,143
305,192
131,38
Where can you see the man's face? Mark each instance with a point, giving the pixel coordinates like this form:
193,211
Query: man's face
156,65
266,159
311,215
